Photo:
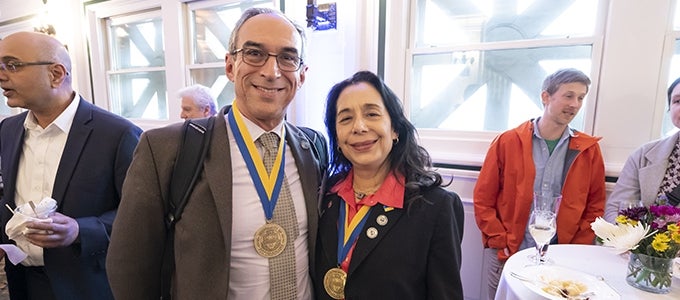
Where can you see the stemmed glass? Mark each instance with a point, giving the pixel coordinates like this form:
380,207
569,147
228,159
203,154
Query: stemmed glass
629,204
542,227
543,222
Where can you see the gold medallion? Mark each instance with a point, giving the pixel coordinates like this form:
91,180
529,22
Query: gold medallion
270,240
334,283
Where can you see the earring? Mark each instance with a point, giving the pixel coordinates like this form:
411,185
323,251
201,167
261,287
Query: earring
395,141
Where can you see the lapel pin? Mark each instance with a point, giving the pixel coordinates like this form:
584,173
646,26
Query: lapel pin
381,220
371,232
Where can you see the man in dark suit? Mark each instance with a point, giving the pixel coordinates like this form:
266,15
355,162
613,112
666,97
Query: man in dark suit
65,148
215,242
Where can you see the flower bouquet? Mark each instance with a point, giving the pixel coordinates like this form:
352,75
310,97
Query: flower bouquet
652,235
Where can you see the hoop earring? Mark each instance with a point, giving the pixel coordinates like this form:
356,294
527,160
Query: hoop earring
395,141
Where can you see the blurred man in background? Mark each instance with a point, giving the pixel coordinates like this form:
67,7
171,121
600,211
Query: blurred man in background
196,102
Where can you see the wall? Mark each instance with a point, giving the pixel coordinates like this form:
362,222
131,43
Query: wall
633,78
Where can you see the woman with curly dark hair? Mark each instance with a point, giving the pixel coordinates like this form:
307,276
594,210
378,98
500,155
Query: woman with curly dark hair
388,229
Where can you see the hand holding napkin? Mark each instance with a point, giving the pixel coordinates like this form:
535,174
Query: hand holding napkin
16,226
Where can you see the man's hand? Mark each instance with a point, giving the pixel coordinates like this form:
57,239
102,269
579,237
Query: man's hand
60,233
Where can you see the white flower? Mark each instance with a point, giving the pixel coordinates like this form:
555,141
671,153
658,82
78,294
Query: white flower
621,237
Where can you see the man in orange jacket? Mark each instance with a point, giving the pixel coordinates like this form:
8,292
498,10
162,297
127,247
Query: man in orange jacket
542,155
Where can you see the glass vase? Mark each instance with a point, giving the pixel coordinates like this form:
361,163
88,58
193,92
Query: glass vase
650,273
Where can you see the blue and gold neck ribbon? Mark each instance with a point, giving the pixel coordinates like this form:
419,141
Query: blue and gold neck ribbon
268,185
348,231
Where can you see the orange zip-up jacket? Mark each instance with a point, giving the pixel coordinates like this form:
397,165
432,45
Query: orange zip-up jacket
504,191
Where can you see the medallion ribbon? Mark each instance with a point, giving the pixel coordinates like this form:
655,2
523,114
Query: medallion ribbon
268,185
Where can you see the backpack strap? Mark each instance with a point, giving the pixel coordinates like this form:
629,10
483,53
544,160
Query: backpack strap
188,166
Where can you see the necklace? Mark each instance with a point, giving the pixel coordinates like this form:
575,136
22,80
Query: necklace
361,195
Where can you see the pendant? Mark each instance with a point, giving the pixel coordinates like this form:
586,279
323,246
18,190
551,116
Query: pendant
270,240
334,283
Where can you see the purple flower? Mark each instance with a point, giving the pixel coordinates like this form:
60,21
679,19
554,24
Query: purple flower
662,215
635,213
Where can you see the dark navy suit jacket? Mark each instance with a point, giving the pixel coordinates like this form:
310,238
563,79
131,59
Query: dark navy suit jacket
87,188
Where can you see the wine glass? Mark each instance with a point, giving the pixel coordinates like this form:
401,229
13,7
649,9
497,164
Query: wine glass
542,227
629,203
547,201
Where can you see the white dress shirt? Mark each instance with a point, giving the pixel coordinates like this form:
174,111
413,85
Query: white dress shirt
249,272
38,163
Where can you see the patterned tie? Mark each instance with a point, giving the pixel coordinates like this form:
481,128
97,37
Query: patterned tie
282,267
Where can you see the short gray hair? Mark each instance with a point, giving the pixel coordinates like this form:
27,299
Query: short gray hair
201,96
552,83
254,11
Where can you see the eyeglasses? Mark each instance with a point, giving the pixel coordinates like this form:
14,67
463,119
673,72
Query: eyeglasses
14,66
255,57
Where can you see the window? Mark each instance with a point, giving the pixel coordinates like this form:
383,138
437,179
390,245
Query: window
211,28
479,65
144,51
137,66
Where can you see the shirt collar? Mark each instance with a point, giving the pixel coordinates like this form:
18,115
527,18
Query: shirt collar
568,132
63,121
390,193
256,131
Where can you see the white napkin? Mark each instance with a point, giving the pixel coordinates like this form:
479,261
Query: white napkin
16,227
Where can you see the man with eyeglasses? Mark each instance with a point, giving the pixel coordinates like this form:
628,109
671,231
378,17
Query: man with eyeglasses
238,236
65,148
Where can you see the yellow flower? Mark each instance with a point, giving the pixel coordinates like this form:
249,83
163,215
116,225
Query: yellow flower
660,242
673,227
675,236
621,219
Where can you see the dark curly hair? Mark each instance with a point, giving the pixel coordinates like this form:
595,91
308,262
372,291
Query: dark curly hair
406,156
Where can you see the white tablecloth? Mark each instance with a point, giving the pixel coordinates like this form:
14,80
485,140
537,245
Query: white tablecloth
595,260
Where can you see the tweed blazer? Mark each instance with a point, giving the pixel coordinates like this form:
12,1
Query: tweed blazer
203,234
642,174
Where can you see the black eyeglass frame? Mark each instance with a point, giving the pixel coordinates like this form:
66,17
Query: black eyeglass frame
14,66
264,61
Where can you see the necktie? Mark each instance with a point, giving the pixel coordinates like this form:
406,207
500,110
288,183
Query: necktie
282,267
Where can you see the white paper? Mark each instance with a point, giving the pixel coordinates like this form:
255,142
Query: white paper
14,254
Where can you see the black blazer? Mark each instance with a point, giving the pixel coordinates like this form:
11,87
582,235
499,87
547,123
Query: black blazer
416,255
87,188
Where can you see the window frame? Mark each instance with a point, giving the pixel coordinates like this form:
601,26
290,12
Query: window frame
469,147
98,16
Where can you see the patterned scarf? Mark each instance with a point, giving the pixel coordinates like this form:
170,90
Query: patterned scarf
671,179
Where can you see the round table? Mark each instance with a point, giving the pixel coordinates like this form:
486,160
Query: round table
591,259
